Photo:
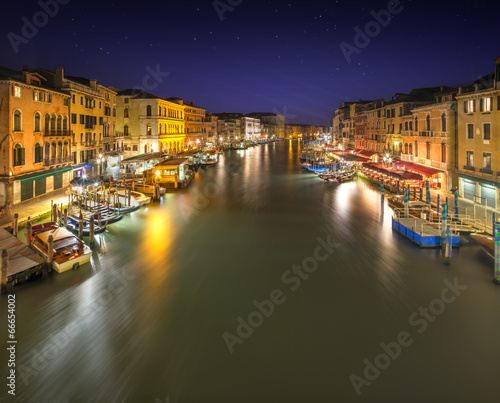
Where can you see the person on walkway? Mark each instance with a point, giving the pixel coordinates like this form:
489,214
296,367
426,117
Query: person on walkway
8,207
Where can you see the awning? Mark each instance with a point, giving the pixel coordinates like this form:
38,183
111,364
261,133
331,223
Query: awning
395,173
423,170
365,153
43,174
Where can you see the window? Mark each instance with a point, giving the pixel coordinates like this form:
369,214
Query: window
428,123
81,100
17,121
470,158
416,124
37,122
428,151
125,130
470,106
101,120
487,162
73,98
486,131
18,155
135,148
114,112
470,131
125,113
148,130
416,148
485,105
38,153
443,152
16,91
65,123
443,122
49,98
125,101
37,96
148,110
73,118
82,119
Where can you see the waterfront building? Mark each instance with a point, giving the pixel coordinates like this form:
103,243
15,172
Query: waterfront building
272,124
149,123
211,128
194,120
478,144
93,109
226,130
35,139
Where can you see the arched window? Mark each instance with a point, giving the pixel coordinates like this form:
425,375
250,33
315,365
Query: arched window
53,123
65,150
428,146
125,113
443,153
59,124
416,124
125,130
148,110
37,122
148,129
53,151
65,123
443,122
406,125
428,123
411,149
59,150
416,148
38,153
411,125
17,121
406,148
18,155
164,111
47,123
159,111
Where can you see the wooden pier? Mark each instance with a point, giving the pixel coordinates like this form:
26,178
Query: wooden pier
22,263
421,232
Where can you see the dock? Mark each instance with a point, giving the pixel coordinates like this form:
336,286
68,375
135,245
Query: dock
23,263
421,232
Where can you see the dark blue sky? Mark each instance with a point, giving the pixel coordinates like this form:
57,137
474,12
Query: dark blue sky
281,56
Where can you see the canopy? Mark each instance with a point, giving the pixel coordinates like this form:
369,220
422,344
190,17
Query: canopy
423,170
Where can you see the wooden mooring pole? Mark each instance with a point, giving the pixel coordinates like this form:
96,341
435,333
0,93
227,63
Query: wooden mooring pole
91,230
50,252
3,271
28,234
65,218
449,241
80,226
15,225
54,212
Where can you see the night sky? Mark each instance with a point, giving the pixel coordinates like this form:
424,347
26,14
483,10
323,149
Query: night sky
276,56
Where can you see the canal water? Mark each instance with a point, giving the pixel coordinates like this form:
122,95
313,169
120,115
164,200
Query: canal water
260,283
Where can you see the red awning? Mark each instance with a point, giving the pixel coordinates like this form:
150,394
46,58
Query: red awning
365,153
423,170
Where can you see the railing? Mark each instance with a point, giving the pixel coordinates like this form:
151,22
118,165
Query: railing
119,134
441,134
426,133
56,133
407,133
89,125
469,168
486,171
55,161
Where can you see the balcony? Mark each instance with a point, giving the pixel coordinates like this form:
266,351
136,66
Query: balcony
469,168
441,134
89,126
119,135
407,133
487,171
57,161
426,133
56,133
149,137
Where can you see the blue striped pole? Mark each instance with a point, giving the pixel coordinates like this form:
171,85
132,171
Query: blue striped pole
406,202
428,193
421,192
497,252
456,204
449,245
439,201
382,196
414,193
443,225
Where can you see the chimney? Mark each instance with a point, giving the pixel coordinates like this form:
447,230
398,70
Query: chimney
93,84
59,77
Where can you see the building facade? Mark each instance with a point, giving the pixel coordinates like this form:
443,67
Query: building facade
478,142
35,140
196,135
272,124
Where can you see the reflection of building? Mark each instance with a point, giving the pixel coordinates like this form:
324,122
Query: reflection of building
272,125
150,124
306,132
92,109
195,125
35,141
478,142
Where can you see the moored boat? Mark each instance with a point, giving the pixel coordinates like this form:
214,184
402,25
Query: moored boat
487,242
73,226
69,252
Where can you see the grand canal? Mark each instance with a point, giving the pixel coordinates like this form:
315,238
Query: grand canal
145,321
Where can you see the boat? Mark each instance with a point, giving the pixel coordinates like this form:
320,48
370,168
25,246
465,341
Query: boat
136,198
147,190
73,226
69,252
106,217
239,146
487,243
209,157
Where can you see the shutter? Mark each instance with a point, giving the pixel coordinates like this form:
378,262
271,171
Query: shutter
21,156
488,196
465,106
58,181
469,190
26,190
40,187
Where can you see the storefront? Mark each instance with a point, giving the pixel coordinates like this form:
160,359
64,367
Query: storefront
477,190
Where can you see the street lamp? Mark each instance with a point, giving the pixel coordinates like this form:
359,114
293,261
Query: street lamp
387,159
197,143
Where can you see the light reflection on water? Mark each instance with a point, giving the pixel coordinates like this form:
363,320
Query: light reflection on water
187,277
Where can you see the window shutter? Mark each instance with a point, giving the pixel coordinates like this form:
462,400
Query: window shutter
481,105
465,106
22,156
473,105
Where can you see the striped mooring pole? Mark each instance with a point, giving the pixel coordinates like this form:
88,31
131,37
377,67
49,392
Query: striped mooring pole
421,193
439,201
428,193
414,193
444,218
496,280
456,204
449,245
406,202
382,196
